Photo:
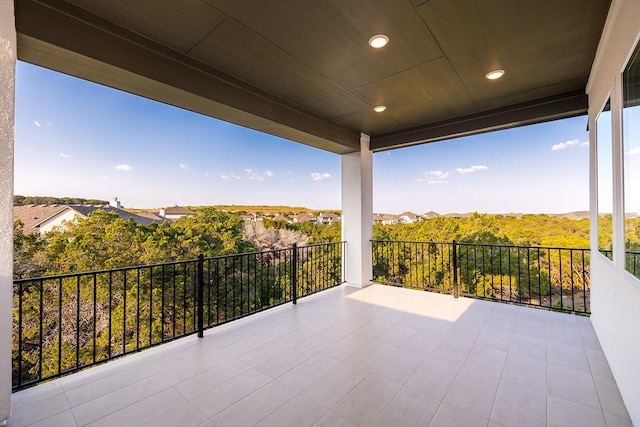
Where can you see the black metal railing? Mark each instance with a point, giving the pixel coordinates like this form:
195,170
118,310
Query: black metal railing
554,278
632,260
65,323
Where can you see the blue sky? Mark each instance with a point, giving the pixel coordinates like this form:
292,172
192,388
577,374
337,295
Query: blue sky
78,139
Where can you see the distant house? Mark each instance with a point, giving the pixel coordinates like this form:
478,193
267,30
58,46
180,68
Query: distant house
280,217
252,217
71,212
458,215
328,218
304,217
386,219
430,215
173,213
409,218
31,215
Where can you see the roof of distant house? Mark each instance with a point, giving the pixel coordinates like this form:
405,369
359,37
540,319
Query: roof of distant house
410,215
151,215
430,214
31,215
85,211
178,210
304,216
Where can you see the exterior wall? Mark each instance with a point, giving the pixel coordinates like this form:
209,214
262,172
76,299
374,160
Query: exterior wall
7,108
57,220
615,294
357,213
174,217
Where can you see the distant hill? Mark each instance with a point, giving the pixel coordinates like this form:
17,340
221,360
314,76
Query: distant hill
47,200
573,215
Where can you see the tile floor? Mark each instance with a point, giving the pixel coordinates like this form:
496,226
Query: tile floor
377,356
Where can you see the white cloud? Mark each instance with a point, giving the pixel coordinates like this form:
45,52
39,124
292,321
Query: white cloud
184,166
317,176
206,175
436,174
269,173
633,151
432,182
567,144
37,123
584,144
228,177
65,155
253,176
472,169
124,167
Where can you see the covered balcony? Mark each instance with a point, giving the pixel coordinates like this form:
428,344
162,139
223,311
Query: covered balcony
356,354
381,356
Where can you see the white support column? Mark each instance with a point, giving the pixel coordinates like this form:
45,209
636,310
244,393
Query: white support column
7,109
357,213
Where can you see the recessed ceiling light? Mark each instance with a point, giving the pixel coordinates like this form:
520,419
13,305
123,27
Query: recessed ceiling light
378,41
495,74
379,108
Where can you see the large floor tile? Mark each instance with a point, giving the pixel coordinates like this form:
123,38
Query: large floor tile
473,391
308,372
519,406
486,360
363,404
117,400
408,408
535,348
570,384
38,410
526,372
255,407
220,398
451,351
610,398
449,416
299,411
398,366
562,413
422,343
335,384
185,415
368,356
433,378
494,338
142,411
567,355
281,363
396,335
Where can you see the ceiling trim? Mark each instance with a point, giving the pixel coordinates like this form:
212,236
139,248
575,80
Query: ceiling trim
565,105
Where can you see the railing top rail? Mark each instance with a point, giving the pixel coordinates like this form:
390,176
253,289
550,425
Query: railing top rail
313,245
481,244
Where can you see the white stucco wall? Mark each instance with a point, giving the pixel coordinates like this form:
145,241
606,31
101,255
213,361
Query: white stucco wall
615,294
67,215
357,213
7,108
